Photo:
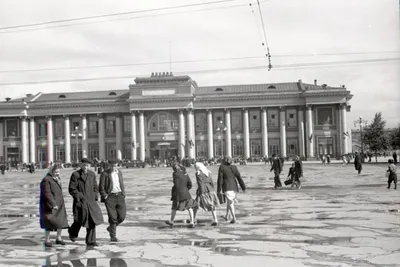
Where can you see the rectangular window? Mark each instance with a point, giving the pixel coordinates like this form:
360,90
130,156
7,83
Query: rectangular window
60,154
59,128
219,147
274,146
273,118
236,117
292,147
218,119
255,120
291,118
255,146
74,151
93,127
201,121
76,125
237,148
325,116
127,124
42,129
12,128
111,151
94,151
110,125
201,149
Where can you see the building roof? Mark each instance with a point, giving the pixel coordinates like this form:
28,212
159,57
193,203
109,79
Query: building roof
92,95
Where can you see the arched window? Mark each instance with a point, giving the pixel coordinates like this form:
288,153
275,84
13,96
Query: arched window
112,93
163,122
62,96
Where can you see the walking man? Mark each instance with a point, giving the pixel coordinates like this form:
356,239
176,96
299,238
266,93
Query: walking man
112,192
358,162
277,168
87,213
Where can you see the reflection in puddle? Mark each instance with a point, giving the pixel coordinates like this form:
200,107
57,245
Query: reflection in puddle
19,242
93,262
226,250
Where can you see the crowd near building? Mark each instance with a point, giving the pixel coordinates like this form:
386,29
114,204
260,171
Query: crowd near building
164,116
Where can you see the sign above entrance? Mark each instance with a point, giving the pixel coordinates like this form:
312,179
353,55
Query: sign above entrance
164,144
158,92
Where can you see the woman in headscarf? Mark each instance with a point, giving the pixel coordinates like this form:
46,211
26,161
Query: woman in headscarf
53,216
180,196
205,195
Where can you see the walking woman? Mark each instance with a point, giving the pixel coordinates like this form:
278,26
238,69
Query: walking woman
392,174
180,196
53,216
358,162
227,176
205,195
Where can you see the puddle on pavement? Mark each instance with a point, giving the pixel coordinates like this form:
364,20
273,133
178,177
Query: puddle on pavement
211,244
109,262
19,242
19,215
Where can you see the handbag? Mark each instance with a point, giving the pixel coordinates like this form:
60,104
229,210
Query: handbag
288,181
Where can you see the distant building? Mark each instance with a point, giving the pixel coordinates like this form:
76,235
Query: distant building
165,115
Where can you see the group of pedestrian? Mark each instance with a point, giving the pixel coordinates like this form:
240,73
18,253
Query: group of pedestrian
85,193
207,198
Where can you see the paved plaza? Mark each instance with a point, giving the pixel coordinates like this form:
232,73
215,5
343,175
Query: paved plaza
338,218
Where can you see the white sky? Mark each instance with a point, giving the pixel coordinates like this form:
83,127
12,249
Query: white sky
298,32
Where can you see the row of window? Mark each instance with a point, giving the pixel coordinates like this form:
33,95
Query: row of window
165,121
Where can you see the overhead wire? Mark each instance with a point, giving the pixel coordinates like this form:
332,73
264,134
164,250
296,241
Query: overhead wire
115,14
192,61
280,67
265,36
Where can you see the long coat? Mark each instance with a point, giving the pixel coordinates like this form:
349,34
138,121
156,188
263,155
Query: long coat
106,184
182,185
227,176
51,195
205,183
276,166
357,162
83,188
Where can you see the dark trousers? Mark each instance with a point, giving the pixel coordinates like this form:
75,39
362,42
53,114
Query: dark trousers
277,180
90,231
116,210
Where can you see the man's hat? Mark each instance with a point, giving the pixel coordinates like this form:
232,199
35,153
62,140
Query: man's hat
87,161
112,161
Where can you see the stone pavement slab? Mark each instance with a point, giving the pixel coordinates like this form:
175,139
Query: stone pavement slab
337,218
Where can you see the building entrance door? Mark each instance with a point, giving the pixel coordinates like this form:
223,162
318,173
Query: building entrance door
163,150
325,146
13,156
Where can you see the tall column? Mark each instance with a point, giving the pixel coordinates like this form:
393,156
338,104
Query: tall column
1,140
102,137
142,145
182,138
282,117
345,134
191,134
32,140
133,136
67,138
228,135
50,138
310,127
246,133
264,131
302,152
85,144
24,139
118,134
210,134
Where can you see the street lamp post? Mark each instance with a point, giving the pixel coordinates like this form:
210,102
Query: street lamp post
361,122
221,129
76,133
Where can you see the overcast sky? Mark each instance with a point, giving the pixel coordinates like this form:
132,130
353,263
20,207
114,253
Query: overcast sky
362,35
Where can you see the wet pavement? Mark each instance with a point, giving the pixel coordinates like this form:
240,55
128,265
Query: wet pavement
338,218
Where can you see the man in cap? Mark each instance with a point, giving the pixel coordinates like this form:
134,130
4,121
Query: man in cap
87,213
112,192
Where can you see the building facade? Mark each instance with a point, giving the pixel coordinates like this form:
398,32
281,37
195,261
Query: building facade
165,115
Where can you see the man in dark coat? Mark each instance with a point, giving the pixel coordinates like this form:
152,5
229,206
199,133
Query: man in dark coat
277,168
358,162
227,176
298,172
112,193
395,157
87,213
